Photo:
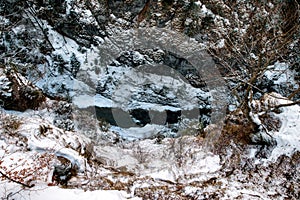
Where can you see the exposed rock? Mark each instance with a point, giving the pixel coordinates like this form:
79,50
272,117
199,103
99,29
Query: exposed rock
279,78
17,95
64,171
151,93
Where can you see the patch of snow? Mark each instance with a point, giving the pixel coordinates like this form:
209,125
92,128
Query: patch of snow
19,29
83,101
112,16
53,82
288,136
198,3
152,106
57,193
165,174
4,21
116,157
64,46
134,133
103,102
281,73
226,22
232,107
5,89
68,6
221,43
205,10
188,21
252,152
252,55
54,142
65,194
255,118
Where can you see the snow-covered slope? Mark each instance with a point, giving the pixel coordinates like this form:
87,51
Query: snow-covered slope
127,99
33,151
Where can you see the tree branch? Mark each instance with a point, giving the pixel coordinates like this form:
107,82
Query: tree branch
15,181
288,104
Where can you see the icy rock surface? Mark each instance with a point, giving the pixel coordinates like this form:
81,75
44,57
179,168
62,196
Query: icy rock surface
156,97
279,78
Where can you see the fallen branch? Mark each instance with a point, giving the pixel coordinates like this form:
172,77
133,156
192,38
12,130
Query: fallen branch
16,181
287,104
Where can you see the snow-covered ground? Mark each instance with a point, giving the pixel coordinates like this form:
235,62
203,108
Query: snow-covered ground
31,150
287,136
45,192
